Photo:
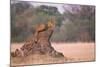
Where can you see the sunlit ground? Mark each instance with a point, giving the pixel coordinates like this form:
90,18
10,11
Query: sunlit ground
73,52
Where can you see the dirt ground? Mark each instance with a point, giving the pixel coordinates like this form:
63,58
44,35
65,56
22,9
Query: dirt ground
74,52
77,51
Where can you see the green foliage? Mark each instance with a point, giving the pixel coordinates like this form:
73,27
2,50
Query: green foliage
72,25
81,25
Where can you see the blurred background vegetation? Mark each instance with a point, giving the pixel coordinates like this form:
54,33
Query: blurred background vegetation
75,23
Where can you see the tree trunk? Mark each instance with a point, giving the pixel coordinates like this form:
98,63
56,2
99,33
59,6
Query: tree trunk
40,43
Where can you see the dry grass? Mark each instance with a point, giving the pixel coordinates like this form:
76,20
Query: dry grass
36,59
73,52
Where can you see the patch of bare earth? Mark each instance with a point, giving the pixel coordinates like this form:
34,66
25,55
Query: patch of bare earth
73,52
77,51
